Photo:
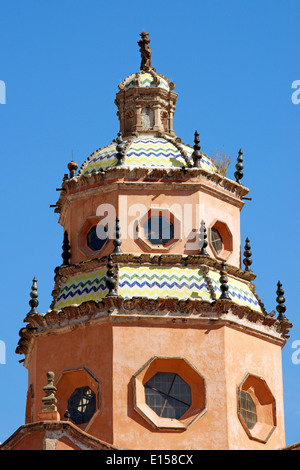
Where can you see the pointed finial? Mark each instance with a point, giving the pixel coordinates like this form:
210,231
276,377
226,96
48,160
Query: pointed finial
67,415
120,148
34,296
145,52
224,282
247,253
72,166
110,280
66,255
281,308
117,241
49,401
196,155
204,245
239,167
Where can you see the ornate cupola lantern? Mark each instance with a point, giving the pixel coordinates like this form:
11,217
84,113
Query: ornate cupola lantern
146,100
155,336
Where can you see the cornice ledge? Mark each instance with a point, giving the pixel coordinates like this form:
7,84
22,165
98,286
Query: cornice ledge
129,174
164,308
145,259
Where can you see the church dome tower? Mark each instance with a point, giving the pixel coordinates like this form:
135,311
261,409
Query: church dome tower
156,337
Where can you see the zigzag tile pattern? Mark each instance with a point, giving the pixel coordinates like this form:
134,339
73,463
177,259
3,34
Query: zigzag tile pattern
82,288
154,282
143,152
153,152
238,291
145,80
101,160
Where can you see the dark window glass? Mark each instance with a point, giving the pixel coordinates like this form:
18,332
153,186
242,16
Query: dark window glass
82,405
93,241
159,230
248,409
216,240
168,395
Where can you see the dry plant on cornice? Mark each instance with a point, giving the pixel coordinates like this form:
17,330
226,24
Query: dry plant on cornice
221,161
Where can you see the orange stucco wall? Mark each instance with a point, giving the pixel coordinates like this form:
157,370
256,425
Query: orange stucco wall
114,352
247,354
190,207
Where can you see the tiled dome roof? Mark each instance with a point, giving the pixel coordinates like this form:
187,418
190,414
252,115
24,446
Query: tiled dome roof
145,151
146,80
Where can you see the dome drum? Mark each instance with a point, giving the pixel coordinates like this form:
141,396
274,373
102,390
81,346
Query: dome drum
146,109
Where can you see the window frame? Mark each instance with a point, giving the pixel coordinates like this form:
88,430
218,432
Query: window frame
89,223
142,235
246,411
226,237
83,390
66,383
102,242
188,373
167,395
265,404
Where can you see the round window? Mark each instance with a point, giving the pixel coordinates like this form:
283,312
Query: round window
94,242
159,230
168,395
82,405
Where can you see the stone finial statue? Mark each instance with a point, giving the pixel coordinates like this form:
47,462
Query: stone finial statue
247,253
239,167
145,52
281,308
49,401
204,245
110,280
66,255
224,282
196,156
34,297
117,240
49,409
72,166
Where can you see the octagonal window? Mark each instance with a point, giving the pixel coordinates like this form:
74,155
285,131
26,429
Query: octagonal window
256,408
248,409
82,405
168,395
220,239
216,240
159,230
93,241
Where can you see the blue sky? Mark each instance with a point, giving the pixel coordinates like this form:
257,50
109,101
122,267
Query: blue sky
233,64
